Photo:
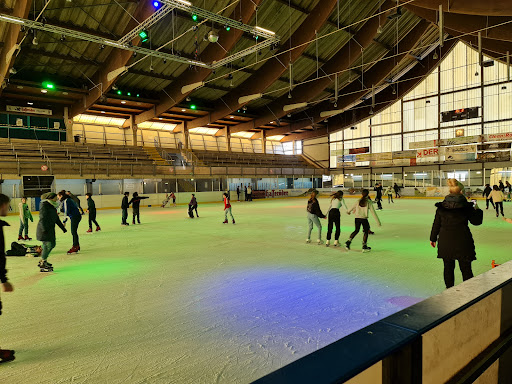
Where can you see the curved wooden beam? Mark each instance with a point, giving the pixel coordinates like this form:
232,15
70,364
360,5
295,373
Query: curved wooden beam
272,69
469,7
172,95
490,45
468,23
383,99
12,38
341,61
118,58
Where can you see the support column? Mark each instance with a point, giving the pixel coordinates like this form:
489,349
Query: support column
185,136
228,138
263,139
68,123
133,128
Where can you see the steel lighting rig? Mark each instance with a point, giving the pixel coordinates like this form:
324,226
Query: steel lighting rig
269,37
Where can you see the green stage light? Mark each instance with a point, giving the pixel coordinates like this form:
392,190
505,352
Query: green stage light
193,106
144,35
119,92
128,94
48,85
195,17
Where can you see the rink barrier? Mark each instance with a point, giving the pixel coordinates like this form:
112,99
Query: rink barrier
460,336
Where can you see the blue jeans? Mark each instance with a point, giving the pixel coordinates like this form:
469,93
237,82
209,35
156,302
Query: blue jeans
23,226
314,220
47,248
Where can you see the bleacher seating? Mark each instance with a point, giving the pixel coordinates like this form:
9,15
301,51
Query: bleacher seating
250,159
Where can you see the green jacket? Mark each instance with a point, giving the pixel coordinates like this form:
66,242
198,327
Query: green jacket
25,213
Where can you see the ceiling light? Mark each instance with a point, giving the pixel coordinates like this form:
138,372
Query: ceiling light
30,103
193,106
435,56
44,91
144,35
379,30
183,110
34,41
188,98
123,102
264,30
102,111
13,71
213,37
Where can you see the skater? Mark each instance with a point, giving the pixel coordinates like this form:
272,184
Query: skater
136,206
48,217
24,250
497,197
76,200
314,213
25,216
124,209
451,232
389,192
238,193
501,186
362,208
508,188
70,209
227,209
192,206
397,191
5,354
249,193
245,192
91,209
378,198
173,197
334,215
487,191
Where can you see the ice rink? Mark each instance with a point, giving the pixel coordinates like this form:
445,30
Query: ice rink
177,300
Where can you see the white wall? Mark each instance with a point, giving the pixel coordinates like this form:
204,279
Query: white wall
317,149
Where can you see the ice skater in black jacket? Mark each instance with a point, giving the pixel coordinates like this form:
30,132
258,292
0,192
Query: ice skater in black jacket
314,213
124,208
5,354
452,234
486,193
136,206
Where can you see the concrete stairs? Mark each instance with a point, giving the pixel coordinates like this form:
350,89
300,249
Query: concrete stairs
155,156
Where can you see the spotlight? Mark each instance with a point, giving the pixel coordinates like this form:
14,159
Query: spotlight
165,61
102,46
290,95
245,107
435,56
476,73
13,71
188,98
504,87
114,87
156,4
393,92
63,38
289,115
195,17
134,54
379,30
213,37
193,106
230,76
119,92
34,40
335,105
144,35
371,111
227,28
151,68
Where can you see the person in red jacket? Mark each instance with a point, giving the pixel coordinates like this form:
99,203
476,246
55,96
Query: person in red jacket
227,209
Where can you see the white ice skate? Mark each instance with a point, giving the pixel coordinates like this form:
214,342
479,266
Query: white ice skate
327,243
336,243
319,242
308,241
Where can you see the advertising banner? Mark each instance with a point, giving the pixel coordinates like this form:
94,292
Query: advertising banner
461,140
427,153
460,149
381,163
404,162
499,137
364,157
460,157
346,159
359,150
494,156
36,111
437,191
487,147
423,144
269,194
411,154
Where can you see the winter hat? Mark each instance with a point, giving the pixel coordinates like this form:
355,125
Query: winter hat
49,196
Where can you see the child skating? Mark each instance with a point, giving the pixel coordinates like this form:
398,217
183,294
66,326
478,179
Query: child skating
136,206
91,209
389,192
361,209
192,206
497,197
334,216
124,209
5,354
227,209
25,216
314,213
48,218
70,209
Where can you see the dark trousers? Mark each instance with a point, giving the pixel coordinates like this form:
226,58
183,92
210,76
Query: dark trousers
487,203
397,195
136,214
191,209
124,215
366,229
449,271
378,200
390,199
75,221
499,206
92,219
334,220
246,196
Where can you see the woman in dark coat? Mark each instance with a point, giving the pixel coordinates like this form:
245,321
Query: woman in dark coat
451,231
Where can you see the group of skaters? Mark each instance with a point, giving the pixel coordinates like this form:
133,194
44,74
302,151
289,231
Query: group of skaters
497,195
247,192
389,192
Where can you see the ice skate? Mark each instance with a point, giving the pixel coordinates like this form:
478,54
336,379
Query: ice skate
27,238
308,241
225,221
6,355
347,245
327,243
233,220
45,266
319,242
73,250
98,229
89,230
336,243
20,238
366,248
371,233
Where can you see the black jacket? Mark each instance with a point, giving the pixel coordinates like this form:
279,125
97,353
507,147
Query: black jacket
3,271
136,201
396,188
75,199
487,191
125,204
48,217
451,230
314,208
379,192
